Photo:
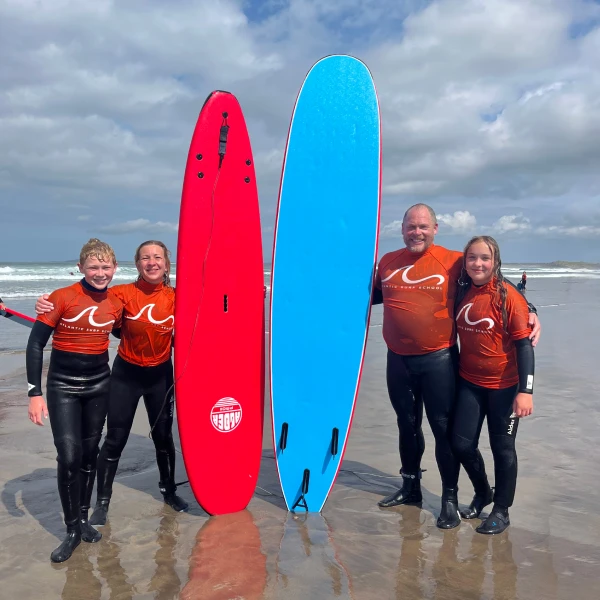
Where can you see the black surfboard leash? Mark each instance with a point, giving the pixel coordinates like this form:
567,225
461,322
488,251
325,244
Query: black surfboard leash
223,134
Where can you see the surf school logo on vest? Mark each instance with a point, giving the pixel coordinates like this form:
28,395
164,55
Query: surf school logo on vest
439,279
92,310
226,415
151,318
464,311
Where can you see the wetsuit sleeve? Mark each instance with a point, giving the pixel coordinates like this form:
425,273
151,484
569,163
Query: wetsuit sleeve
377,297
34,357
532,308
518,318
116,332
525,364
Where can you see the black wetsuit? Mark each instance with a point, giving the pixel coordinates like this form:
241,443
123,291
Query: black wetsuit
127,385
423,381
474,404
77,396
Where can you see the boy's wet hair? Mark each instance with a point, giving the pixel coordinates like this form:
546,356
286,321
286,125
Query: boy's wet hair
95,248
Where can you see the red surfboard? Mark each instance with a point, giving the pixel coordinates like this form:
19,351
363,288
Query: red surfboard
219,312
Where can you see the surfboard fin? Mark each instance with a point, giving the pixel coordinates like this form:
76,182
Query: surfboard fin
301,502
335,434
283,437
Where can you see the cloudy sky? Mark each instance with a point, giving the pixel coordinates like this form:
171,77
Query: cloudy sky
490,113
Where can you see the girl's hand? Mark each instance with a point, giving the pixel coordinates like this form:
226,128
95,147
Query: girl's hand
523,405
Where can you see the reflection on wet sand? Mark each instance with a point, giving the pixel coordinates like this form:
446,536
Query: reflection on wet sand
456,568
227,560
81,580
308,563
165,581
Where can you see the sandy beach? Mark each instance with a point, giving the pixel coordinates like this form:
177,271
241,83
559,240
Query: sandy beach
354,549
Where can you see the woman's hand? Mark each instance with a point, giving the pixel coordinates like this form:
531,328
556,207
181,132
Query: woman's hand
42,305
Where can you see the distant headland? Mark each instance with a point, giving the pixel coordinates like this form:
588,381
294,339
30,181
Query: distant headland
559,264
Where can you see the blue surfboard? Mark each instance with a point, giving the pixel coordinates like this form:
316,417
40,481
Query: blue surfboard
324,256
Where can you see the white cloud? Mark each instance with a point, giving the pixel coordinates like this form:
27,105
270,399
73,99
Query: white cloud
584,231
140,225
483,103
84,217
462,221
511,223
392,229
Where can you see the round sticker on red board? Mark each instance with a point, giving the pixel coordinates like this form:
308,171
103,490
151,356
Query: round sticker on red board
226,415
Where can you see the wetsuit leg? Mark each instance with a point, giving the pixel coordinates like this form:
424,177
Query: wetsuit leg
503,432
76,394
438,371
471,409
125,391
160,416
404,390
159,401
92,422
64,410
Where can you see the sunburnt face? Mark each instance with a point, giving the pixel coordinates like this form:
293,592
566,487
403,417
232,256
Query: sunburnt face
479,263
152,264
418,230
98,273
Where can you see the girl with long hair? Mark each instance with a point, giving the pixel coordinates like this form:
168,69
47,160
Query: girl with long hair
496,369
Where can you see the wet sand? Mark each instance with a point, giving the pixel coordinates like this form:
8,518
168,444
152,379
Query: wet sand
354,549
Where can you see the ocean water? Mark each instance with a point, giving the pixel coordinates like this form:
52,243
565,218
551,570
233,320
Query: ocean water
29,280
22,283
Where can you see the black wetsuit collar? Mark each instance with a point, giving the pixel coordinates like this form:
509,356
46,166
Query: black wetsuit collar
91,288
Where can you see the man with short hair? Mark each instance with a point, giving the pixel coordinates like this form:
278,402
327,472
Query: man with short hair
417,285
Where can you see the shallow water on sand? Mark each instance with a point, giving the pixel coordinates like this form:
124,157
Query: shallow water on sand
354,550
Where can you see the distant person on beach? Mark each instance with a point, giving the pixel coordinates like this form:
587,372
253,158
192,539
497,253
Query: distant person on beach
496,369
142,368
524,280
417,285
77,388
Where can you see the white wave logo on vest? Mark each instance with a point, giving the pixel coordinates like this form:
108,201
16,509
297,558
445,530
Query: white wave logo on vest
406,279
226,415
465,309
149,308
92,310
